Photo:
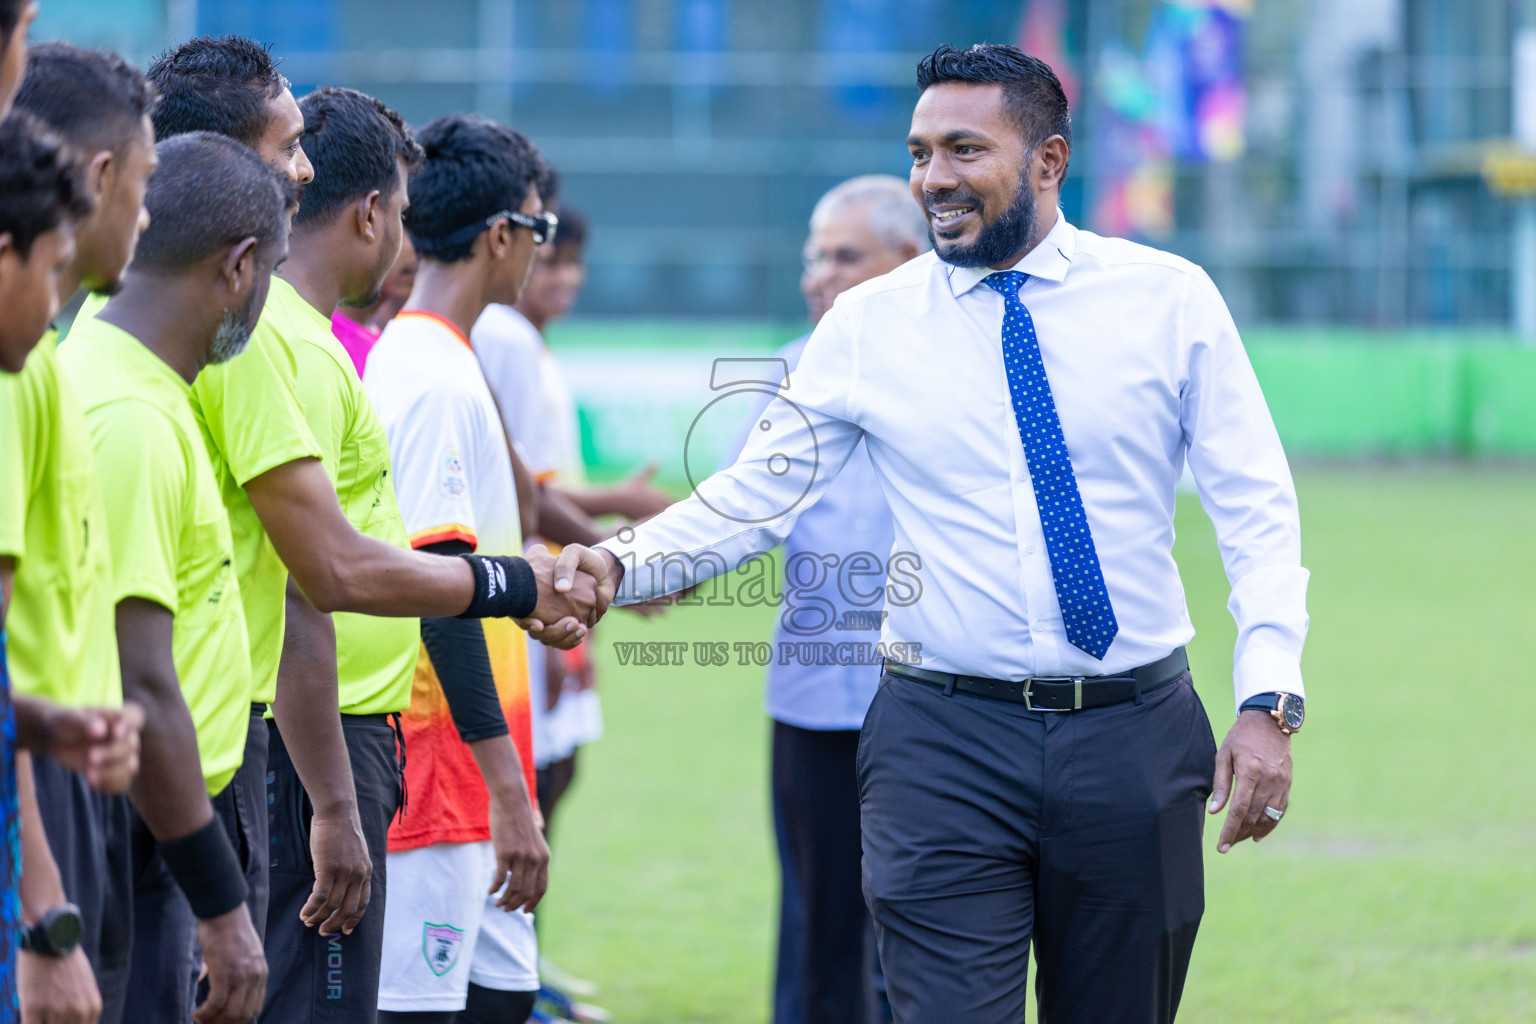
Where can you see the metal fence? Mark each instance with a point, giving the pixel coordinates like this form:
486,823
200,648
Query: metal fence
697,134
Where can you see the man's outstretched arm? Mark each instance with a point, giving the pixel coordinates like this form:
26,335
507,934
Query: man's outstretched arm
635,499
340,569
806,435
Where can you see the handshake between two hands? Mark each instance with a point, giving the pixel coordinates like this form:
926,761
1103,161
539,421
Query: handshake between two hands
574,592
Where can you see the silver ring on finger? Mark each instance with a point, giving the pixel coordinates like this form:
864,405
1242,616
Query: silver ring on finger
1274,813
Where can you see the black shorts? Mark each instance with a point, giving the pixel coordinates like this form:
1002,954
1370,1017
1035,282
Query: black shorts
163,983
334,979
166,956
88,833
242,807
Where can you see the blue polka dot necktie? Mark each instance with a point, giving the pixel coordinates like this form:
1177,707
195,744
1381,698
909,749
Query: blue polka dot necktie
1085,609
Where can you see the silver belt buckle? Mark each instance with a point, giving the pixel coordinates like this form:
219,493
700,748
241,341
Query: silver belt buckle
1077,691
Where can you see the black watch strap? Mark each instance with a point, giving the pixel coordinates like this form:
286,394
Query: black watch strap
1261,702
56,934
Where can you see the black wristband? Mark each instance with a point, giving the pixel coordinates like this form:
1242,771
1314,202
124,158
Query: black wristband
504,588
205,867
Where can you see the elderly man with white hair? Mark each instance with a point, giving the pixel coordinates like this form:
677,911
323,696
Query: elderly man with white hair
862,228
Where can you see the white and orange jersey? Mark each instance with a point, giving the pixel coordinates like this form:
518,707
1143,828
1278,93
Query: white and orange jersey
453,481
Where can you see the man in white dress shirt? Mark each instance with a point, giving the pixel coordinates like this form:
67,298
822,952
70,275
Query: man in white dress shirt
862,228
1028,394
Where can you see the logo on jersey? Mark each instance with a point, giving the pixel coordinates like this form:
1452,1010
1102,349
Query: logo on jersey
220,579
452,483
440,944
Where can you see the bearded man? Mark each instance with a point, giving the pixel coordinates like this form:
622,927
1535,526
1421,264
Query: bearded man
1028,395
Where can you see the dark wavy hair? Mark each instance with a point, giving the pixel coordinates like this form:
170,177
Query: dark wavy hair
354,142
94,98
1032,93
474,168
40,181
220,85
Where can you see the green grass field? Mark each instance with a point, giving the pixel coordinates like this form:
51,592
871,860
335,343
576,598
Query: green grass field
1401,888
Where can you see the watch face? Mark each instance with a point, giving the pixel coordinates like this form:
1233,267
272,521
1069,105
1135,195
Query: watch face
64,929
1291,711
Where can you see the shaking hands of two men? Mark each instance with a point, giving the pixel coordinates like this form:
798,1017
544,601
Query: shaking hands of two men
575,589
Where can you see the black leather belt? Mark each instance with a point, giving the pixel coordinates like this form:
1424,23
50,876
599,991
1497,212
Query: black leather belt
1056,693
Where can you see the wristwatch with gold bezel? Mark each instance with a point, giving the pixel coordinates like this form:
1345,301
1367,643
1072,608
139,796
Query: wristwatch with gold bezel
1287,709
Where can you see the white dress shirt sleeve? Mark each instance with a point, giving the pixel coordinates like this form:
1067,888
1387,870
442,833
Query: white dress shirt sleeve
1245,486
749,508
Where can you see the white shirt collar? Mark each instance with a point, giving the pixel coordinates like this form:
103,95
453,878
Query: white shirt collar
1050,259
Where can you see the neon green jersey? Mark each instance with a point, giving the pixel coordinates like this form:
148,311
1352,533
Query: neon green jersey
169,533
375,657
63,644
252,421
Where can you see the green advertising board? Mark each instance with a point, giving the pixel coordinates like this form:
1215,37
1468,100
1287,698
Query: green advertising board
641,389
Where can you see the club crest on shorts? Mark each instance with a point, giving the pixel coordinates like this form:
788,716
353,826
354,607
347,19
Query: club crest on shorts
440,944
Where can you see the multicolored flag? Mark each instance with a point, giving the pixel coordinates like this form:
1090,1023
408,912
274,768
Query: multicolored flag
1183,98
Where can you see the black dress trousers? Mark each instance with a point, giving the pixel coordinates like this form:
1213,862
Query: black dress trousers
988,827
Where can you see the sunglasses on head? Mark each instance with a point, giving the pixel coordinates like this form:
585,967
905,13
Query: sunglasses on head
543,226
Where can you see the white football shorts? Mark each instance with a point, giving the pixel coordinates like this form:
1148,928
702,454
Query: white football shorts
442,931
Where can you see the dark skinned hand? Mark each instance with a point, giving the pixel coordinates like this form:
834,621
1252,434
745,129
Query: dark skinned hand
522,856
101,744
57,990
235,966
343,873
570,599
1258,756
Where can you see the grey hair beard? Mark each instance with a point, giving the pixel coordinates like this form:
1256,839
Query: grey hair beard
233,334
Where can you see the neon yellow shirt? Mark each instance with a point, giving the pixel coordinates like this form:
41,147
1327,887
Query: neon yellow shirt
252,421
169,533
375,657
63,644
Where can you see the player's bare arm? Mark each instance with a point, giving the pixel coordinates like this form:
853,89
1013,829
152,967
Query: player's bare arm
636,499
169,795
61,989
340,569
305,710
522,857
527,492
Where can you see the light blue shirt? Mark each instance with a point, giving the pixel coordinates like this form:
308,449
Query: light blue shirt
851,518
